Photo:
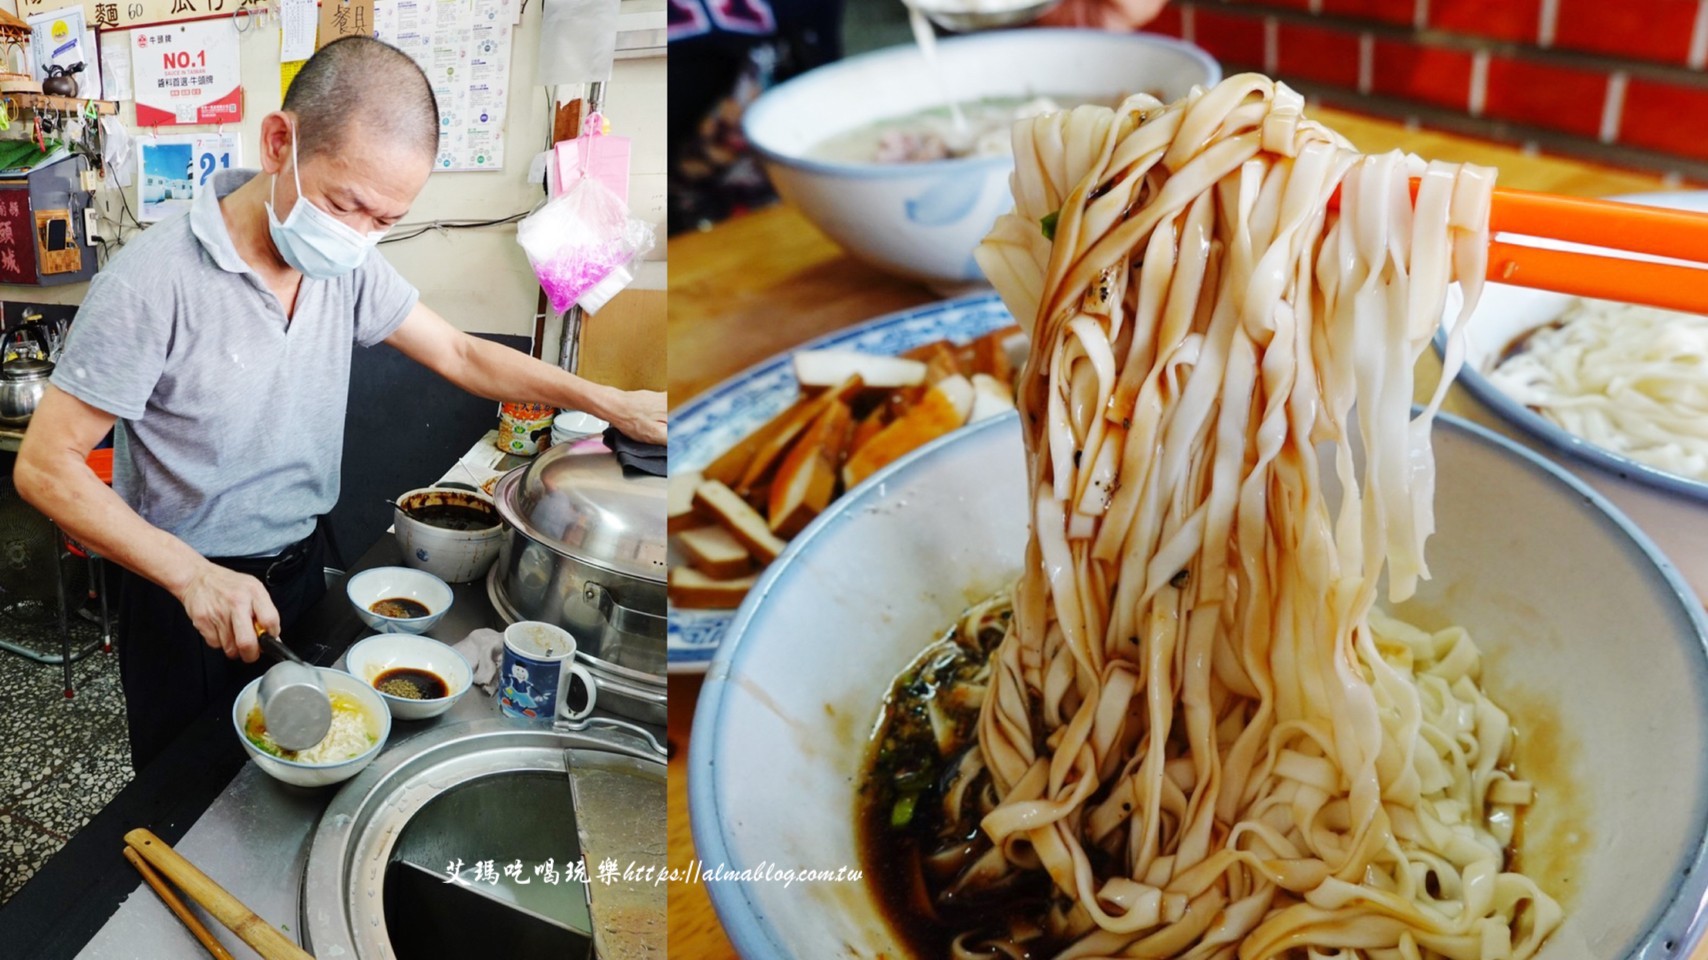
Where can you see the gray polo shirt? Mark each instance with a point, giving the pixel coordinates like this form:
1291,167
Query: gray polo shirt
231,418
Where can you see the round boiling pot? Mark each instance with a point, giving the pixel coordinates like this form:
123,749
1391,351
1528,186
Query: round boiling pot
586,550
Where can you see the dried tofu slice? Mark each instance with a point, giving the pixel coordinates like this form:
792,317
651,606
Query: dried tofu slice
715,552
991,397
941,359
766,458
818,369
933,416
680,500
691,588
806,481
990,355
865,430
741,520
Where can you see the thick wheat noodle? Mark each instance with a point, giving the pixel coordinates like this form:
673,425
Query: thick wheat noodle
1628,378
1192,683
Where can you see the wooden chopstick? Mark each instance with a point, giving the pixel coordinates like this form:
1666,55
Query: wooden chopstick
176,905
215,899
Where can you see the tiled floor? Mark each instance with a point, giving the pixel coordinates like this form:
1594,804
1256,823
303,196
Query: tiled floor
60,760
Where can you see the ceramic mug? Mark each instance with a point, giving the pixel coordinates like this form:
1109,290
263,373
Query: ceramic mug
537,673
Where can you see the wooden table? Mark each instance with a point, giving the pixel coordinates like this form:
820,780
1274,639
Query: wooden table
763,283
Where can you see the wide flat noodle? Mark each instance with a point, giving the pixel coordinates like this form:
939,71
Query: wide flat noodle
1197,722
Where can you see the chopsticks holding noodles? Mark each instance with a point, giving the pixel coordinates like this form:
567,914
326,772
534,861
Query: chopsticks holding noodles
215,899
1625,236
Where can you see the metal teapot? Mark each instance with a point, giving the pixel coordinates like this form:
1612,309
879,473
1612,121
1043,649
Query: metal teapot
60,82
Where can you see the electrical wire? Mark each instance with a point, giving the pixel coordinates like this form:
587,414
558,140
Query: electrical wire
409,231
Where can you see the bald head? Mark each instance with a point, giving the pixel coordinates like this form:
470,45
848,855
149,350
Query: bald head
360,83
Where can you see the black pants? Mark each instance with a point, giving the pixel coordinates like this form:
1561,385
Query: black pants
169,672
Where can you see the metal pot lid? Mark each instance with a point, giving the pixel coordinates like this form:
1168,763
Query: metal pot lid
26,368
582,505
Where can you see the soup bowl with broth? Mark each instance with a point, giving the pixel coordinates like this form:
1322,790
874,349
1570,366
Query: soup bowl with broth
819,134
1591,643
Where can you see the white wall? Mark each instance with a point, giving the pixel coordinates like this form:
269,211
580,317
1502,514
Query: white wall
479,279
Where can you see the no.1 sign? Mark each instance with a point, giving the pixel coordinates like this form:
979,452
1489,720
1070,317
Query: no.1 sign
186,73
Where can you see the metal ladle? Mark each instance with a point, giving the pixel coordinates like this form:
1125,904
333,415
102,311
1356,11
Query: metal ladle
293,700
972,21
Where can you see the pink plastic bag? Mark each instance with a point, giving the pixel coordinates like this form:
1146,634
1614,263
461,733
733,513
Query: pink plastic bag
578,238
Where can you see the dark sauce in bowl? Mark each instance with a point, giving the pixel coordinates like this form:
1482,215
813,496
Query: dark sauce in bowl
399,608
454,516
409,683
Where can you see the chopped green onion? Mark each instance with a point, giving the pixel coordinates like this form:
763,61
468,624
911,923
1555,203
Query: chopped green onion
902,814
1049,224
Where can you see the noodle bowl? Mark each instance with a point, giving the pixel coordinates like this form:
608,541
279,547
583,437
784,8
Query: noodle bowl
1196,736
1588,643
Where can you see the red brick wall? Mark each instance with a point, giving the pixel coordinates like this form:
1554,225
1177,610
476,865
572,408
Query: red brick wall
1618,81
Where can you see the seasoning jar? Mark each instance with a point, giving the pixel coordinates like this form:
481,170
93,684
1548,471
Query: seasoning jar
525,429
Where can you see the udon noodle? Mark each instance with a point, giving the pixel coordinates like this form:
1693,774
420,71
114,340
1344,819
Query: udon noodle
1631,379
1195,724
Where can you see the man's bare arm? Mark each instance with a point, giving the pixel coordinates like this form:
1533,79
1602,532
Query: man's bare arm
491,370
52,473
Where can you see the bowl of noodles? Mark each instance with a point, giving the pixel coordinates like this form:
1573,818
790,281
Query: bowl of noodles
360,725
867,150
1218,646
1587,644
1618,392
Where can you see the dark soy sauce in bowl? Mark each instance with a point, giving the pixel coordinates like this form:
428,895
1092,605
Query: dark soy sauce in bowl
399,608
410,683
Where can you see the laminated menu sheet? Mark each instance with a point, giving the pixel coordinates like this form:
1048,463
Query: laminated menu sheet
464,47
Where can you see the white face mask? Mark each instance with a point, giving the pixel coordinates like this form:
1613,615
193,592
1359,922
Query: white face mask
314,241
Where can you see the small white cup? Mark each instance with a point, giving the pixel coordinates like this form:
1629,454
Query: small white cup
534,681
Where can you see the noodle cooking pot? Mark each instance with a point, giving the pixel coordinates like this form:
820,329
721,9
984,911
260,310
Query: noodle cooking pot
585,550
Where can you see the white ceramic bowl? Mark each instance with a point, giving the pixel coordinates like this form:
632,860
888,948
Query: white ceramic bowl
572,425
367,659
383,583
1670,508
1587,630
318,774
454,556
923,220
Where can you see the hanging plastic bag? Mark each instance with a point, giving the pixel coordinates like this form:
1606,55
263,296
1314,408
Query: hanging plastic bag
579,239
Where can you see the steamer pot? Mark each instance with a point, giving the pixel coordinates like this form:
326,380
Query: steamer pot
586,550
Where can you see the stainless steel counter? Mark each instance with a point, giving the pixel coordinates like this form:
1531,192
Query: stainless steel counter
253,839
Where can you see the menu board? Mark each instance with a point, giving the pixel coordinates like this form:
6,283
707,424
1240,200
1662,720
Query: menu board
464,48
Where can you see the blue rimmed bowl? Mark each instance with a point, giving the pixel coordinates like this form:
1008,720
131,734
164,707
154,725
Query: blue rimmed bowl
1592,643
1671,509
922,220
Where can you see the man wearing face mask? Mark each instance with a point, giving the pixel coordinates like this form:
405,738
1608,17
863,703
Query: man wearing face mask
220,343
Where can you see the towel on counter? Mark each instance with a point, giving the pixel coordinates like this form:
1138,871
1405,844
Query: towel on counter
647,458
484,650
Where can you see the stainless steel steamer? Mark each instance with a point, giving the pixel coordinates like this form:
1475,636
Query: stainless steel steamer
586,550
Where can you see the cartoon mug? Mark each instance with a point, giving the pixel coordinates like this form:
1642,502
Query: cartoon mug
537,673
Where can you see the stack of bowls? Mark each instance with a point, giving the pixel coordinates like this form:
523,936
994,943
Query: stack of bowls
573,425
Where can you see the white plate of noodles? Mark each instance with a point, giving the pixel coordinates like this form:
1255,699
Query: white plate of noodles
1619,392
1292,669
